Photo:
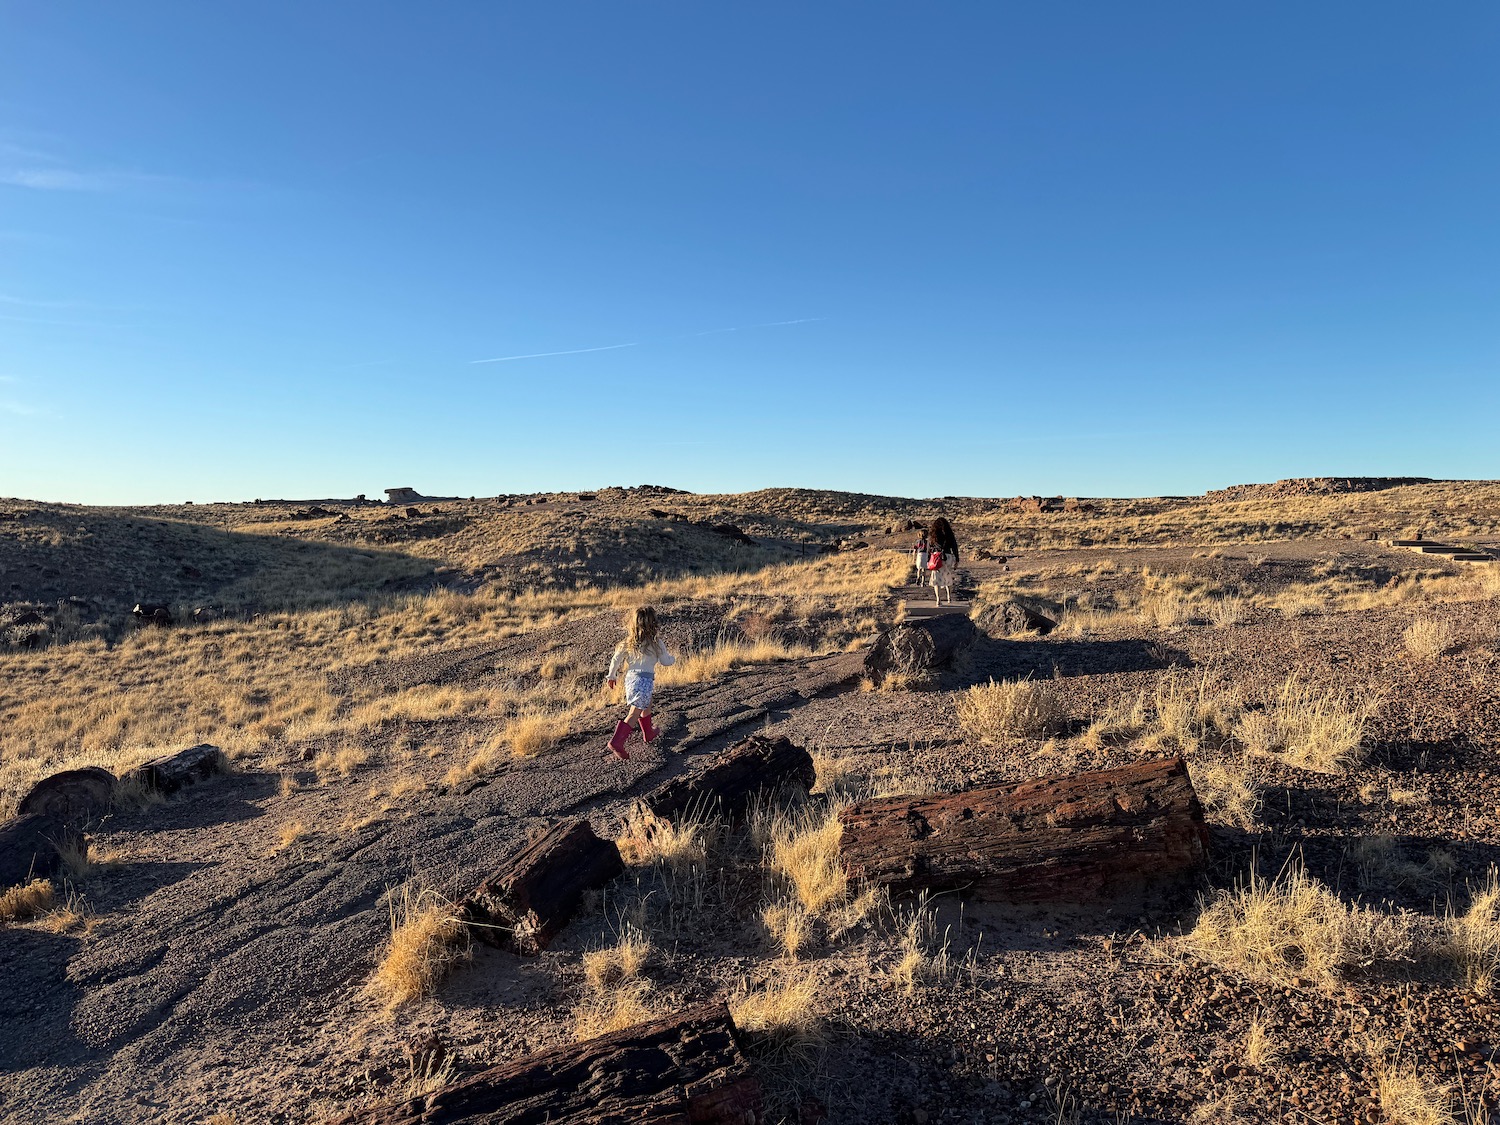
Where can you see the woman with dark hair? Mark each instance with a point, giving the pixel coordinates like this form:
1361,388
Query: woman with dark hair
943,560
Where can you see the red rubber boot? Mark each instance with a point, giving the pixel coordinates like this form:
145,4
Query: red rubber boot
648,732
617,743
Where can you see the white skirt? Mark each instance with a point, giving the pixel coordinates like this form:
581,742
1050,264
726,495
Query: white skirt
942,577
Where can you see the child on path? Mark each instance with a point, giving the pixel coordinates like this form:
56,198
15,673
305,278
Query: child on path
637,655
943,560
920,554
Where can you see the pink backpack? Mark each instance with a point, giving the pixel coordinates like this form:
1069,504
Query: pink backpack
935,561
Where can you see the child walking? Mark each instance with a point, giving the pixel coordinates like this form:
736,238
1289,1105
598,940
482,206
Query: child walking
919,555
637,655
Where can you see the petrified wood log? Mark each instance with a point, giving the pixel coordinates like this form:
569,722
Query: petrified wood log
523,905
684,1070
29,847
732,779
171,772
924,645
73,795
1085,836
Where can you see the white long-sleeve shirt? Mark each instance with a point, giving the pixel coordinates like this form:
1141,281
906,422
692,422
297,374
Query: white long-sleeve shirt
639,661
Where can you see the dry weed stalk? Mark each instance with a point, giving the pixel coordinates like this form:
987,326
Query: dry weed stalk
1427,638
608,967
1473,938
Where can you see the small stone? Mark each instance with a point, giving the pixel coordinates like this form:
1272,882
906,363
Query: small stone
919,1116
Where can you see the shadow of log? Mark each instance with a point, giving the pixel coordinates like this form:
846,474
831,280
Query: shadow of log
36,1004
1047,659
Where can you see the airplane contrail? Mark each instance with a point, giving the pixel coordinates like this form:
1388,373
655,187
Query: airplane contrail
768,324
543,355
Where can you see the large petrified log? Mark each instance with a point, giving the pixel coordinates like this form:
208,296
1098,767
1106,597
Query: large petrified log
523,905
684,1070
727,785
29,847
1013,616
72,795
171,772
1084,836
927,644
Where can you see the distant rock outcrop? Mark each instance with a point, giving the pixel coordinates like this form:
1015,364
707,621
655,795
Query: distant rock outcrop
1311,486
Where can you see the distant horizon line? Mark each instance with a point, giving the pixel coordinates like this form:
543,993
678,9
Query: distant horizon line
1386,482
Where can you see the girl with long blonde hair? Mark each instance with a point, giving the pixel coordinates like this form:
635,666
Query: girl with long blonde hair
637,655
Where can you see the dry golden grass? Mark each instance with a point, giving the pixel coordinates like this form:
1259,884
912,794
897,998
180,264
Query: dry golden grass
613,1009
924,954
710,664
1427,638
27,901
1408,1098
609,967
1295,928
1472,939
788,924
681,844
290,834
426,941
1261,1050
529,734
1313,728
1228,790
804,849
787,1011
342,761
990,713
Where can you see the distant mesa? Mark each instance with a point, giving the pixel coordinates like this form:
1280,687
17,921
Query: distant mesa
1312,486
403,496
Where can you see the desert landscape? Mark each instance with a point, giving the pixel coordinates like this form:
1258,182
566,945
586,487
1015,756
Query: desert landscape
1186,810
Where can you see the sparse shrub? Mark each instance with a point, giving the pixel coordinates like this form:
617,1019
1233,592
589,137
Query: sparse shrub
1406,1097
990,712
1427,638
290,834
426,941
1295,927
341,761
27,901
1472,938
1310,727
1227,611
924,957
1295,602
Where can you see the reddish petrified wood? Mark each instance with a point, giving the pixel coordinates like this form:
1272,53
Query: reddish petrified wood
72,795
171,772
684,1070
731,780
1075,838
523,905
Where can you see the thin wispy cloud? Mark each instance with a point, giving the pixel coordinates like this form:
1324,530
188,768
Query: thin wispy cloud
640,343
544,355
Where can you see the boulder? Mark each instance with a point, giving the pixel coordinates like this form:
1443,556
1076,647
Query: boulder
29,847
1011,616
915,648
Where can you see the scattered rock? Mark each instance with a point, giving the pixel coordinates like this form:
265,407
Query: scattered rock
1012,616
72,796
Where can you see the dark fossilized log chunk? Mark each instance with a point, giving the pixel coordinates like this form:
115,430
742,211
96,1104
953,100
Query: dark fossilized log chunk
684,1070
731,780
1062,839
523,905
73,795
926,644
172,772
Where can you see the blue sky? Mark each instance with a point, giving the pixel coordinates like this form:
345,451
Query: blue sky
255,249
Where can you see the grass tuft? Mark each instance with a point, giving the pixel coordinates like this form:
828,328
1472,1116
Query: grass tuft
989,713
426,941
27,901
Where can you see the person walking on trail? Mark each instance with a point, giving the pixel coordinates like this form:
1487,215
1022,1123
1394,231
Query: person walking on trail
942,558
637,656
919,555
